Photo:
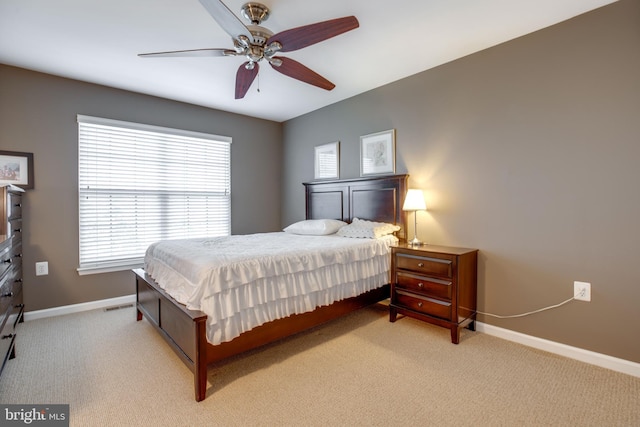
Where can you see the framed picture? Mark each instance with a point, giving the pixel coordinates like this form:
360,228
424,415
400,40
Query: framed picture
378,153
16,168
327,161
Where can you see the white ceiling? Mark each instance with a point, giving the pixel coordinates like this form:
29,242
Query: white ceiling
98,41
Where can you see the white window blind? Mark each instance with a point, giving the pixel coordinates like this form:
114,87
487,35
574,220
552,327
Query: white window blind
139,184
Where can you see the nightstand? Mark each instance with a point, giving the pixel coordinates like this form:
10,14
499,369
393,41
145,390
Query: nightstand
435,284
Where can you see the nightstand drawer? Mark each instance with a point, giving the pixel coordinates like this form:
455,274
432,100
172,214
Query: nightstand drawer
440,267
424,305
424,285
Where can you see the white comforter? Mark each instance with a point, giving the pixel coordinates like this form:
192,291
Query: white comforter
243,281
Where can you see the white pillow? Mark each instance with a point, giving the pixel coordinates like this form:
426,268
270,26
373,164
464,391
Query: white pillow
315,227
363,229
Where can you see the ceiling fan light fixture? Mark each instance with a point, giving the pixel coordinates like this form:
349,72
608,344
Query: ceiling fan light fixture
243,40
276,62
273,47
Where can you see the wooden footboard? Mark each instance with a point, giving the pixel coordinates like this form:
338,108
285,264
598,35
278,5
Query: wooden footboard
185,330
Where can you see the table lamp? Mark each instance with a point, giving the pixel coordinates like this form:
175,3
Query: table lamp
414,202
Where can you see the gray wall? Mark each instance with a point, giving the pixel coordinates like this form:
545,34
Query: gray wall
38,115
528,151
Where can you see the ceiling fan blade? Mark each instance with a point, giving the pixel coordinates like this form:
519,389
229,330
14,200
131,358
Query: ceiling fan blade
190,53
227,20
297,38
296,70
244,78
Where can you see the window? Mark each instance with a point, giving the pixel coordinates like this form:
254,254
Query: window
139,184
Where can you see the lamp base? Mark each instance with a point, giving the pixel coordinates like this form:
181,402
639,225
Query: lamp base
415,242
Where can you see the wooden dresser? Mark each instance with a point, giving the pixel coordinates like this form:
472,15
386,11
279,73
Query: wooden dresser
11,306
436,284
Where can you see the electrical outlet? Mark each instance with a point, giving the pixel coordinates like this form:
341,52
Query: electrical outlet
42,268
582,291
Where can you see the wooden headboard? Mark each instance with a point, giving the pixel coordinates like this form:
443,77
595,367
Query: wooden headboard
374,199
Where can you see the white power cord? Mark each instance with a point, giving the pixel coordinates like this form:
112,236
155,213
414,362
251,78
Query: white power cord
529,312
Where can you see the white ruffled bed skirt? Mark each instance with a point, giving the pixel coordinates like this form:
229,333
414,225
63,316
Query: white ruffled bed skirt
244,281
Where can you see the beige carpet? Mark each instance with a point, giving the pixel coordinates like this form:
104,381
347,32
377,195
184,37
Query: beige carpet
358,370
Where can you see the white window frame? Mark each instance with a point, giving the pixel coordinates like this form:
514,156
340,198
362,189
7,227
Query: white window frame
139,183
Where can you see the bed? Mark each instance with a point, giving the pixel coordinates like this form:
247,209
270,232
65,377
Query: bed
189,332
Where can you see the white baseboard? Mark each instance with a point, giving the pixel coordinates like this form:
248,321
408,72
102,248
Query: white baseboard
591,357
77,308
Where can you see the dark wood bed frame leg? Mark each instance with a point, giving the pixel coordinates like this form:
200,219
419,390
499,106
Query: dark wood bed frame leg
200,364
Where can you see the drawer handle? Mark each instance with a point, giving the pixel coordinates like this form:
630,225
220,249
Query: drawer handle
18,205
421,285
18,230
420,304
421,264
7,295
6,337
17,281
18,255
7,261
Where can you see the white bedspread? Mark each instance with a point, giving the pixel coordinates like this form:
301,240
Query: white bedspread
243,281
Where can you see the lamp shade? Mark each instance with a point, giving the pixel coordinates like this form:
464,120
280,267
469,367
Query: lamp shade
414,201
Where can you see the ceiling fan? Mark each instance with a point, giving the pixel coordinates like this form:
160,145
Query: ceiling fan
257,43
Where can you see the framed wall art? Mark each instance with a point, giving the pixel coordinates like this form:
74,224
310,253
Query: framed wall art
378,153
327,161
16,168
